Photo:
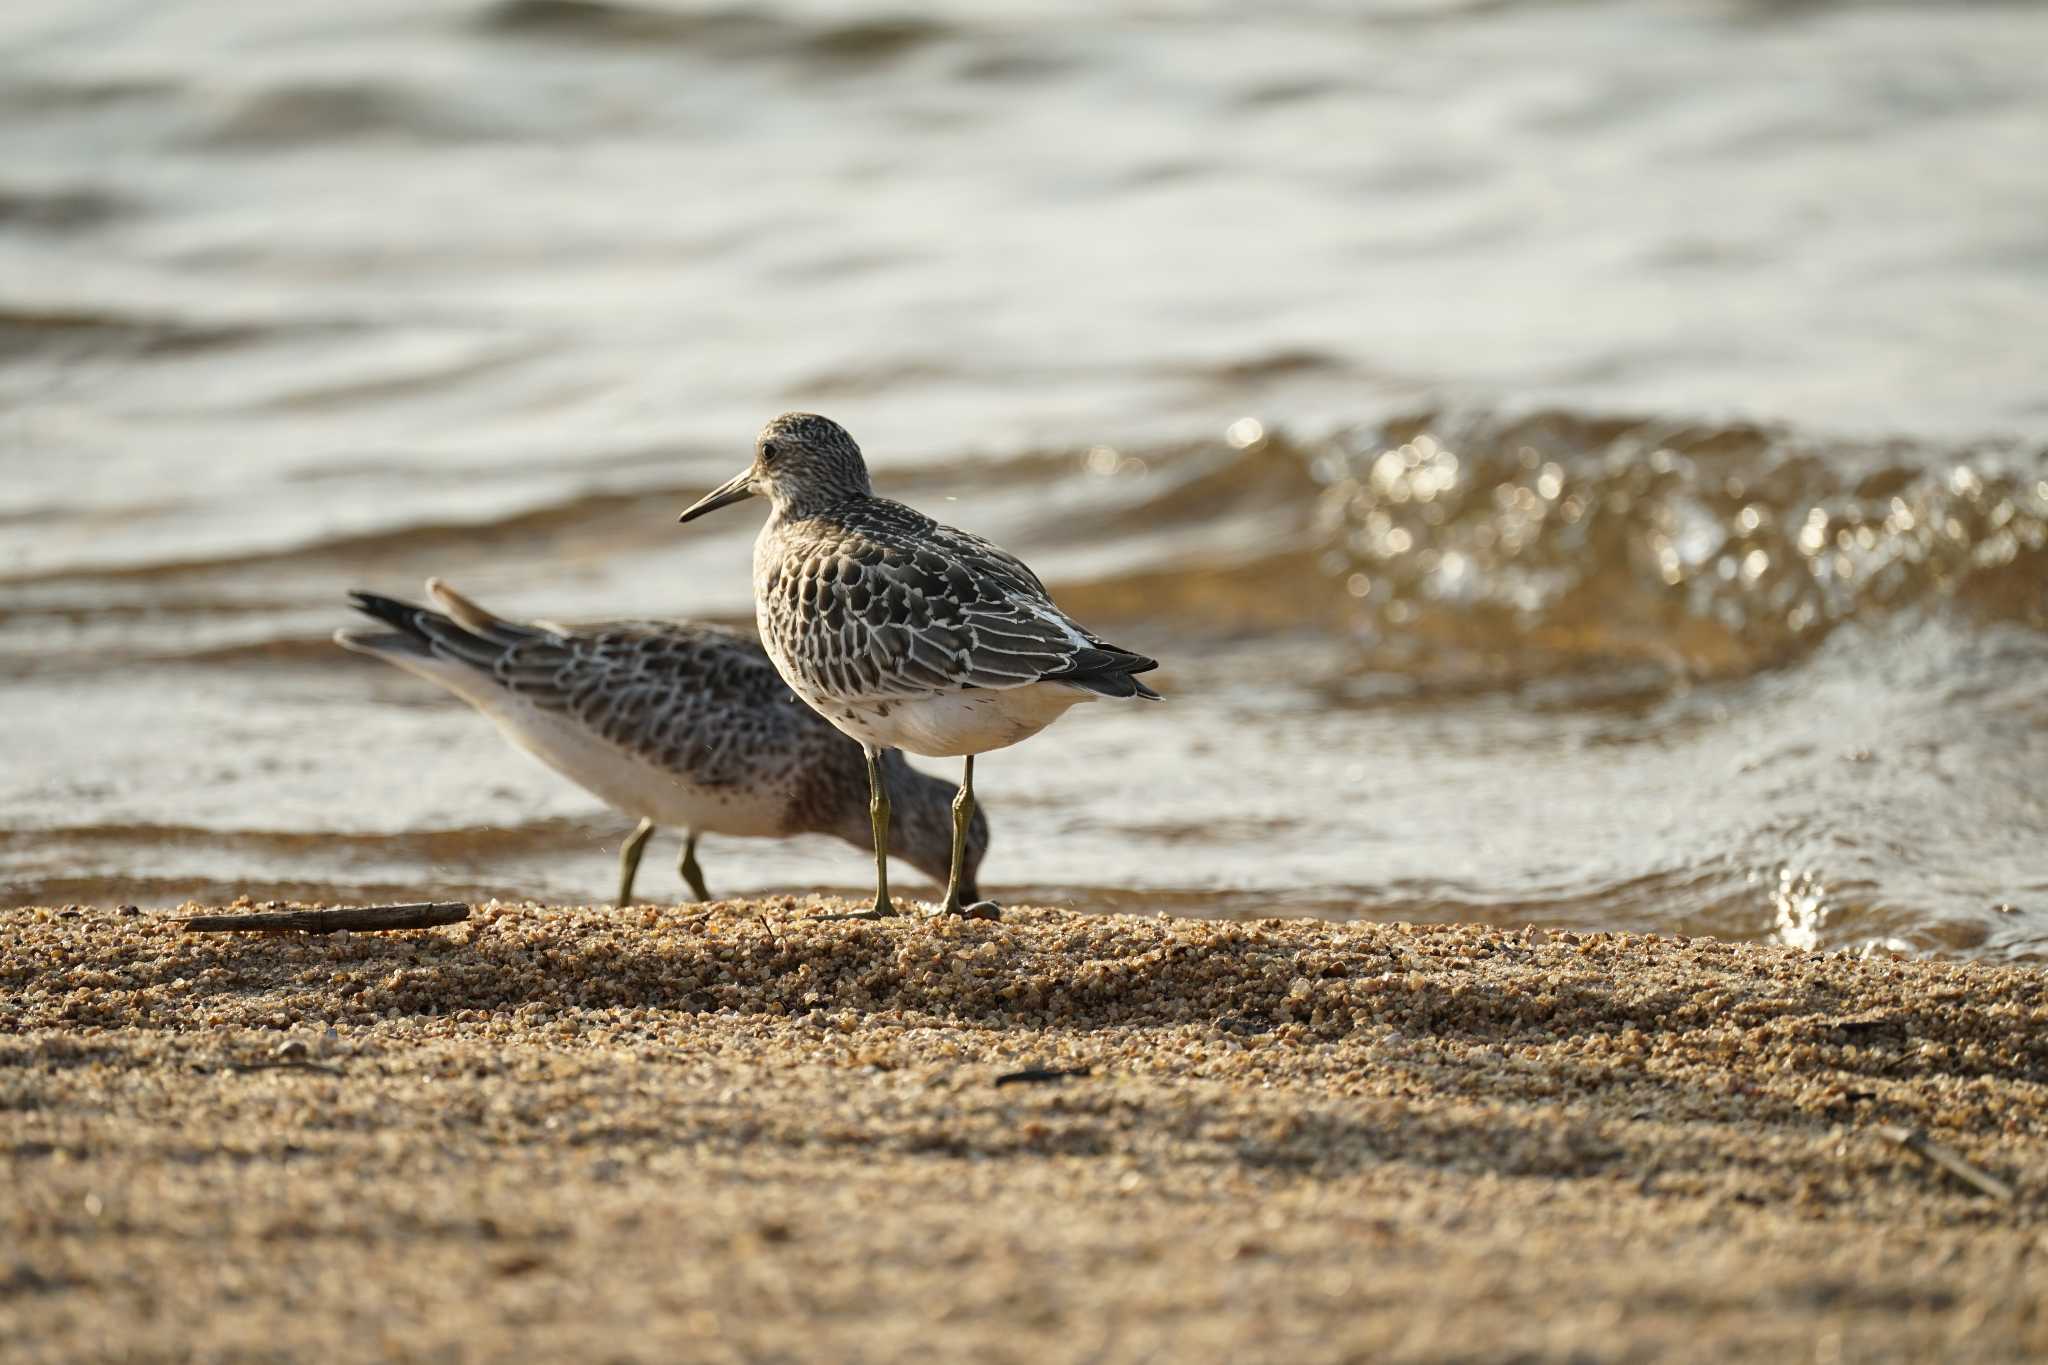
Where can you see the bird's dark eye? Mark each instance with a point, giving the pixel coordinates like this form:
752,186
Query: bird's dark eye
769,451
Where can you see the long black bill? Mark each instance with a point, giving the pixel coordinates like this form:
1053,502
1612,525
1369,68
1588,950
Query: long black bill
725,495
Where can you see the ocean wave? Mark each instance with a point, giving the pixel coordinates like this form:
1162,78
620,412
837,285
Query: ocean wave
61,208
1479,549
1458,551
733,32
1715,550
69,332
303,113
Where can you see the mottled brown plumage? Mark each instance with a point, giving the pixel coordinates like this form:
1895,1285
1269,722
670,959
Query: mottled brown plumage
676,723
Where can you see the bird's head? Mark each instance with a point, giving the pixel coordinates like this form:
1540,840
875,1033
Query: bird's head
802,463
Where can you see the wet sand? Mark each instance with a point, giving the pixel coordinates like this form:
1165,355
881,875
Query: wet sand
735,1132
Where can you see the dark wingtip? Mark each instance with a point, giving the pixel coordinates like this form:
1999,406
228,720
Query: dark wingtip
402,616
1113,683
1107,671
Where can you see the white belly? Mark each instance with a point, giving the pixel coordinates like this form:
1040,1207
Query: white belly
952,724
634,785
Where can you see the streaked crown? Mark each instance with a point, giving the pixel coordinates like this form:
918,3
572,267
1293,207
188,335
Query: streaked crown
807,463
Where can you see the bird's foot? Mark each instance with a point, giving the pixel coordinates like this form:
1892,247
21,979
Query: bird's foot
971,910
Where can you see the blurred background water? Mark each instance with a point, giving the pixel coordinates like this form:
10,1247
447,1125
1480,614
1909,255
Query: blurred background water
1580,463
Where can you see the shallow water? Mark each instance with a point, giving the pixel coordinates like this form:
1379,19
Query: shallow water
1579,464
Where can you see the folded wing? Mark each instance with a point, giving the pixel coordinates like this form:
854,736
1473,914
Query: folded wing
910,608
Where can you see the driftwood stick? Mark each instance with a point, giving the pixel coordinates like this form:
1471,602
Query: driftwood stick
1041,1075
1934,1154
285,1064
369,917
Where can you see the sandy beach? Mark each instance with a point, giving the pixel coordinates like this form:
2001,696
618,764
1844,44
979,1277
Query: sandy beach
735,1132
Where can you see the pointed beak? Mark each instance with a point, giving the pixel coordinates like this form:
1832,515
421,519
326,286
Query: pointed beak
725,495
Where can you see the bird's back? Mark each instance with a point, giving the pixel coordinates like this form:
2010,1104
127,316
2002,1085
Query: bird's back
700,703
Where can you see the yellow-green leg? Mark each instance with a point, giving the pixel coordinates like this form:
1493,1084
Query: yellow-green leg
629,860
963,816
963,820
878,821
692,873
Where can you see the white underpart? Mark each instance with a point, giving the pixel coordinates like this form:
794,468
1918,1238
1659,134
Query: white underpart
617,777
952,724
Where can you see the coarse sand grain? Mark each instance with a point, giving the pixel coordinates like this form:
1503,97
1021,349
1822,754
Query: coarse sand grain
735,1132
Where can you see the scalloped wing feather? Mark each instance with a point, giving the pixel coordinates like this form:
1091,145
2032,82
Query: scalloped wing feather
885,603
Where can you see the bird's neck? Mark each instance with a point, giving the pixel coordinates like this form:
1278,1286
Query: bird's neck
819,502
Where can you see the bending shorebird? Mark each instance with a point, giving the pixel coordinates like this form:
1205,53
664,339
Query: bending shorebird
678,724
905,633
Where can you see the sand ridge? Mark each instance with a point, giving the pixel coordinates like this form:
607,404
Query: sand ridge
737,1132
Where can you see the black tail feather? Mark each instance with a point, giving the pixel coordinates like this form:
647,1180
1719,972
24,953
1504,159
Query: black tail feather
392,612
1111,684
1106,671
430,628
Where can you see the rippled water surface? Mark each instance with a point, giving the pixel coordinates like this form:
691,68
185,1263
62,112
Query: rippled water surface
1579,464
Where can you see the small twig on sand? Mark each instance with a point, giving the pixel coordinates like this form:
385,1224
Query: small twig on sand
1041,1075
363,918
285,1064
1934,1154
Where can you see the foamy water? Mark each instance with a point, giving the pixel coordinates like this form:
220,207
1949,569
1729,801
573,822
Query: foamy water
1579,464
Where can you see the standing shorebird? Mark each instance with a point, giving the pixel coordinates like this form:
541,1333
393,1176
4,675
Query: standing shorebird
905,633
680,724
